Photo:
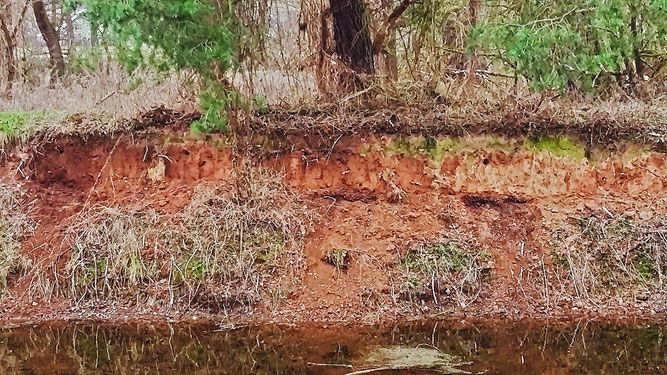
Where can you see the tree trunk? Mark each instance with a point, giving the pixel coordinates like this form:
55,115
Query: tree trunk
69,25
94,29
473,62
353,41
384,44
51,38
9,51
390,58
389,25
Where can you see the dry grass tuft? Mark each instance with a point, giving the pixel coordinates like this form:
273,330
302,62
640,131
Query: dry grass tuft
243,238
108,251
461,108
615,255
227,247
109,91
100,103
16,224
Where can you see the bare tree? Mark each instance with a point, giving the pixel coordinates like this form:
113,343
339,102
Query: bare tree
69,27
384,42
10,28
51,37
473,14
9,49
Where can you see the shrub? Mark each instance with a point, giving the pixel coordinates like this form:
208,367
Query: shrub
177,34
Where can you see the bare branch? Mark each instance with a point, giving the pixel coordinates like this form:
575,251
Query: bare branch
389,25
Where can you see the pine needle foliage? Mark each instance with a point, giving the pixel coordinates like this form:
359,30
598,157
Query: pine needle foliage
580,44
177,34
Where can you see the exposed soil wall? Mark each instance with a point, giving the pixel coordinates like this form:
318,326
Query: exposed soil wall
376,199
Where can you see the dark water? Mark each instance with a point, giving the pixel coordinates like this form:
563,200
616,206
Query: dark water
492,348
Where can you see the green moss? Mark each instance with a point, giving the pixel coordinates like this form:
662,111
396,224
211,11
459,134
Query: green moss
445,146
558,146
408,147
438,148
559,259
435,149
644,265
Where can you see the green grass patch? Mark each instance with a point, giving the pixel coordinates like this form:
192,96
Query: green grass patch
423,146
21,124
432,268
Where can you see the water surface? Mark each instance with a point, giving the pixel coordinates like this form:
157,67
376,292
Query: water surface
490,348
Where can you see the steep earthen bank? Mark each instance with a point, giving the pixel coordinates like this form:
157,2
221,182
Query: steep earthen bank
383,206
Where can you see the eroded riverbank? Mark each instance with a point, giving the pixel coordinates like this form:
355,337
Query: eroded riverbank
297,229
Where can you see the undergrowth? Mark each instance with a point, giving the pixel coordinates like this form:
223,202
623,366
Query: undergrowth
614,255
462,110
15,224
446,267
224,248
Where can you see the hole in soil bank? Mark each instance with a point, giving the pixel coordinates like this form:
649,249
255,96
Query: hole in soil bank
477,201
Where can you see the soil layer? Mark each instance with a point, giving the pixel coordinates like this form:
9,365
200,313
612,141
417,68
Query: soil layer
376,198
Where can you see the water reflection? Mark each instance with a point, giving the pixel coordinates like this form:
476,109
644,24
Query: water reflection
491,348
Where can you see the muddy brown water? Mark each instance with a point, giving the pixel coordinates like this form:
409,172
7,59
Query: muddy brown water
584,347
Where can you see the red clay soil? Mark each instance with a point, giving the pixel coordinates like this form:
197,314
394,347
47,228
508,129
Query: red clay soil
375,206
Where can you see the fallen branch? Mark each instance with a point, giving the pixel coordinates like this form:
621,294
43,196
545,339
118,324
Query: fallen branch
329,364
368,371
